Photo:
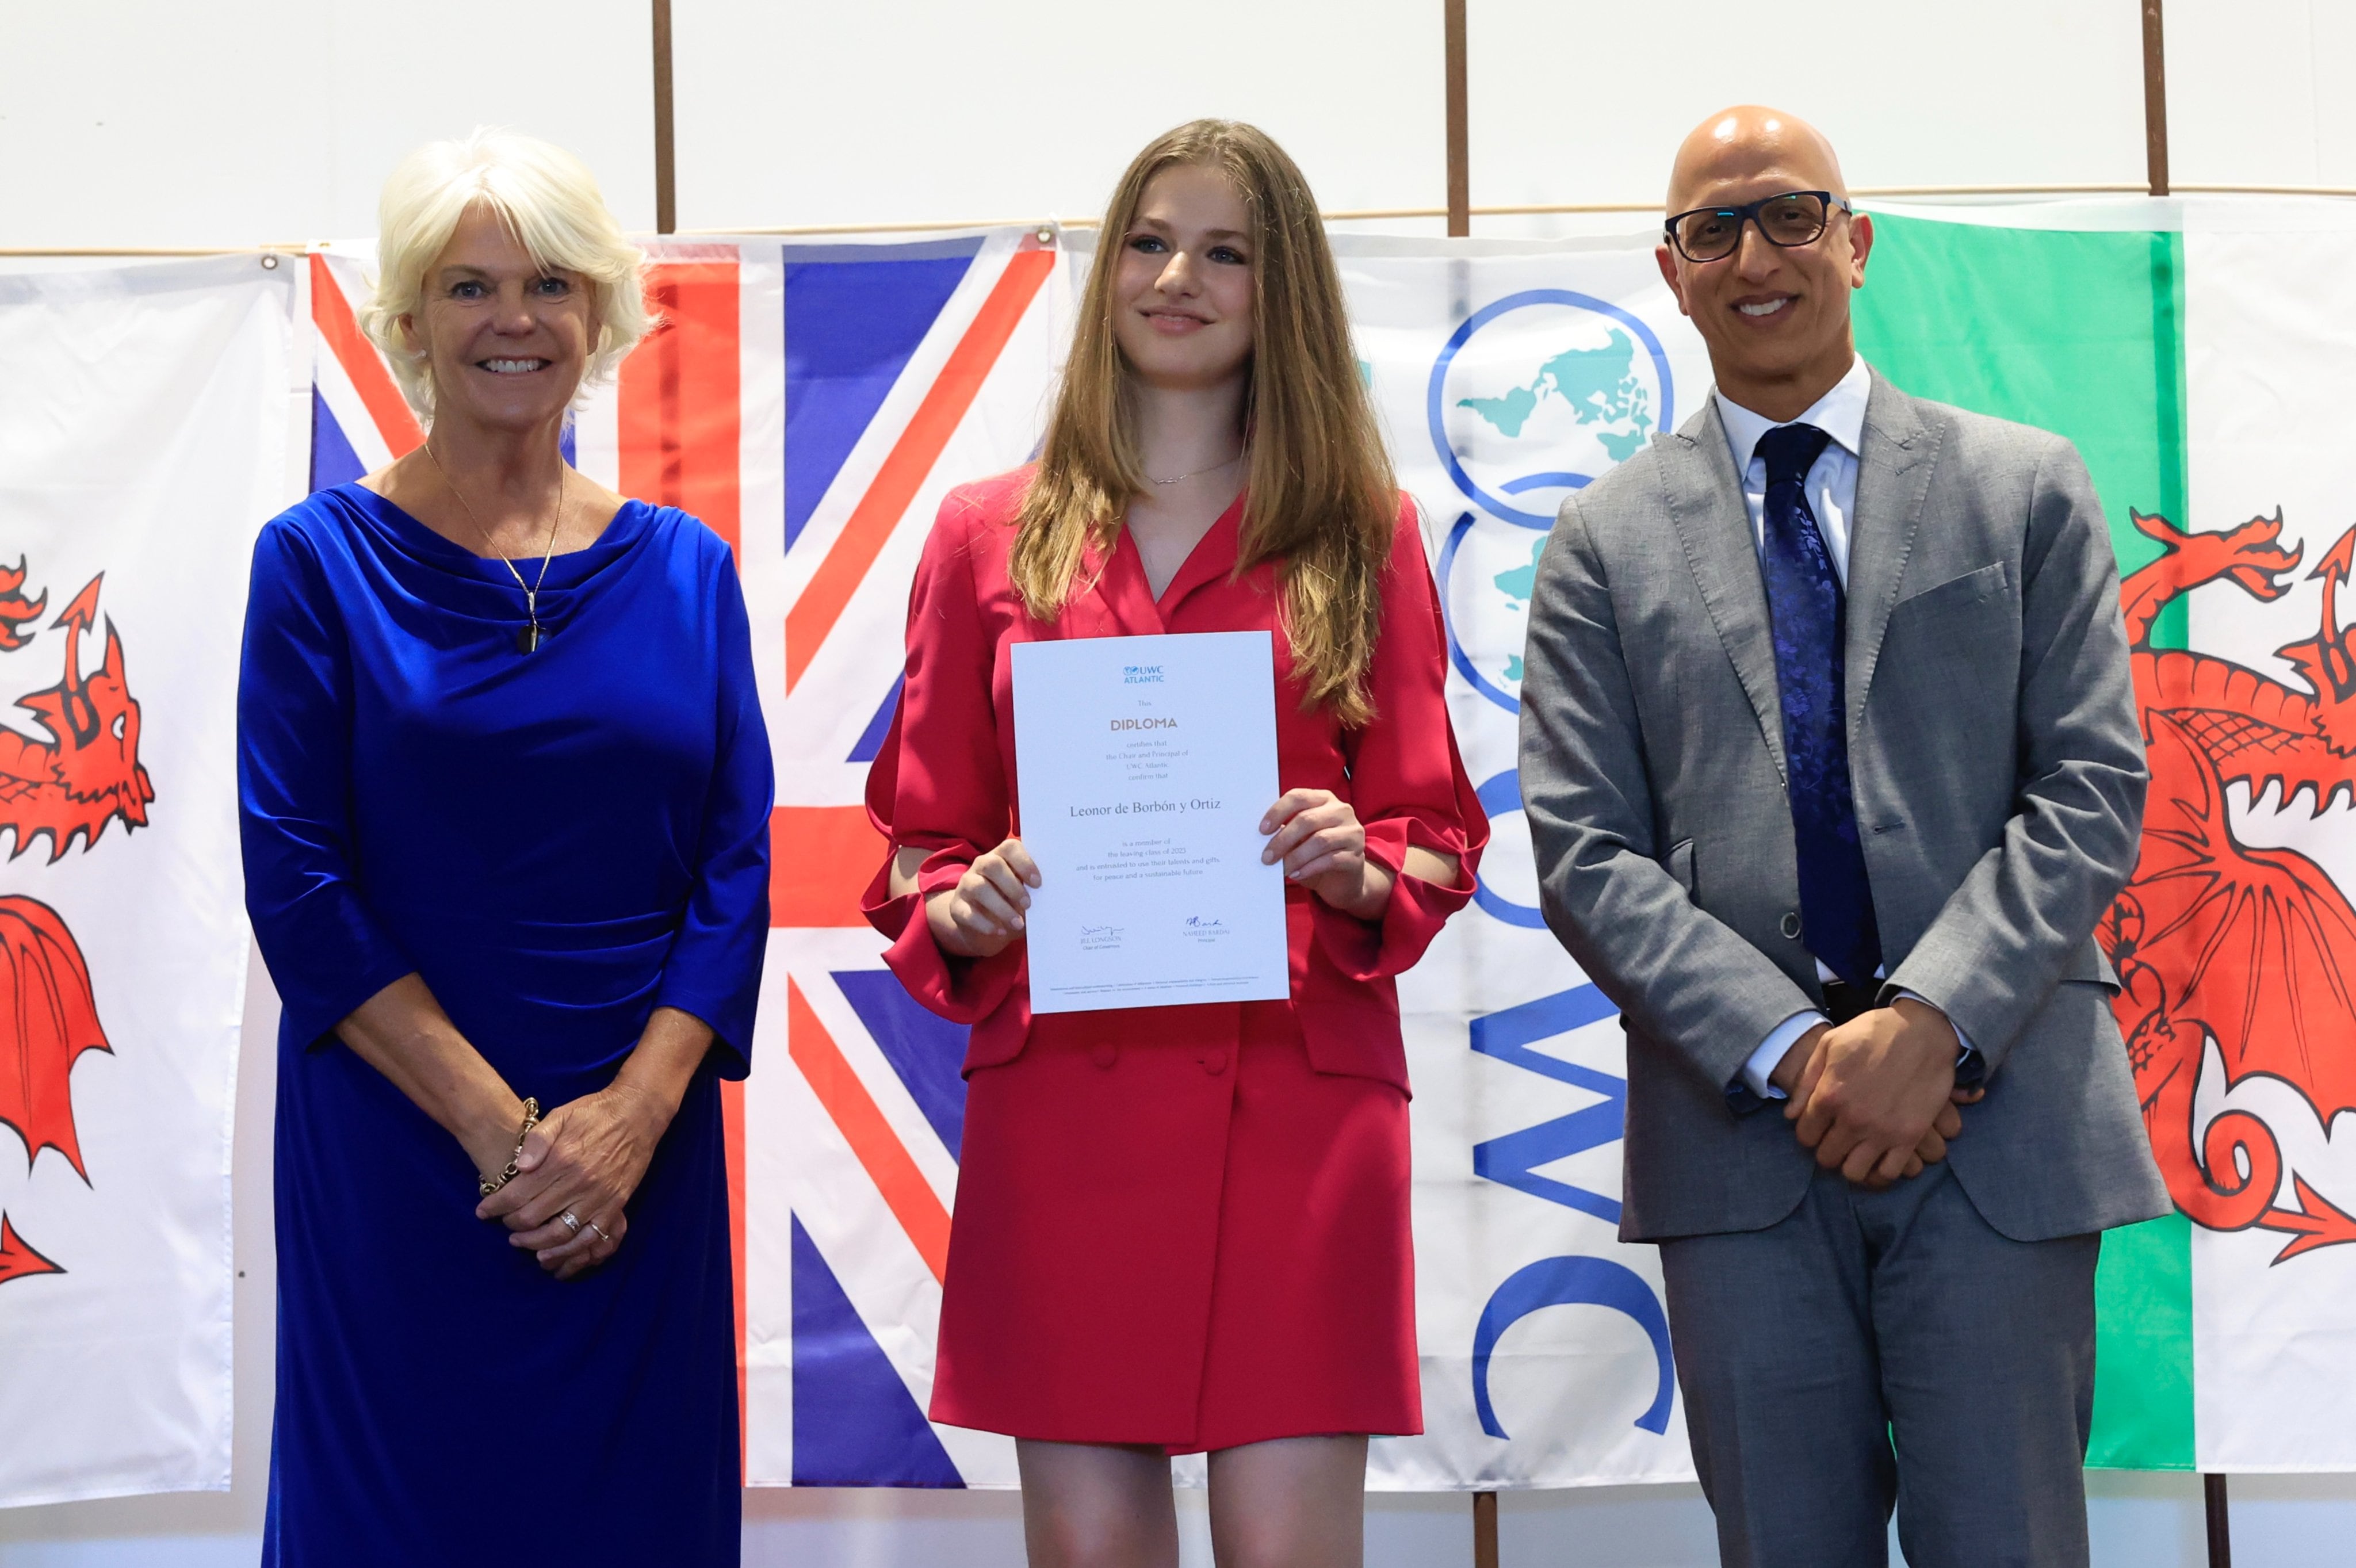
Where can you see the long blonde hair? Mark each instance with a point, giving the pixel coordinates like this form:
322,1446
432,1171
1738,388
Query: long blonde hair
1319,496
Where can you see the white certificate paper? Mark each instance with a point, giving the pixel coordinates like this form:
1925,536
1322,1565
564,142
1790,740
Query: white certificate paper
1146,764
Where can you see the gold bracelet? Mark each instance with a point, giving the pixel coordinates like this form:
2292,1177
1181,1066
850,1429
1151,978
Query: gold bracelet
531,1120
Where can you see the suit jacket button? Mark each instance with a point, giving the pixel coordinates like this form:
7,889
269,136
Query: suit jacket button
1105,1054
1214,1062
1790,926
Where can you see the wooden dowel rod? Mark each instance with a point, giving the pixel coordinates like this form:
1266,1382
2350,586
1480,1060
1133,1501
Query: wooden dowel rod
666,160
1541,210
294,247
2221,1532
1485,1529
2154,100
134,250
1460,157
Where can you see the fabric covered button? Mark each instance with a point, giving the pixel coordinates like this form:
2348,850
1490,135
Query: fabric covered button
1214,1062
1791,925
1105,1054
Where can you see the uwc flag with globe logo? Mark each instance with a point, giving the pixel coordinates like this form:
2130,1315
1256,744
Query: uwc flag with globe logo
1506,378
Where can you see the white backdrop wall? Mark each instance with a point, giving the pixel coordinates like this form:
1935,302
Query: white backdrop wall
154,122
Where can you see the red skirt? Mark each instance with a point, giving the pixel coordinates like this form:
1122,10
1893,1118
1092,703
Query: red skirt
1183,1243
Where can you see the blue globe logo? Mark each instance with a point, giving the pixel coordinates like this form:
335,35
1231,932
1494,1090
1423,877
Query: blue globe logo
1533,396
1540,392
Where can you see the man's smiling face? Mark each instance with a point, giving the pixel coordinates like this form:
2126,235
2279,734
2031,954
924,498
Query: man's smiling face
1776,318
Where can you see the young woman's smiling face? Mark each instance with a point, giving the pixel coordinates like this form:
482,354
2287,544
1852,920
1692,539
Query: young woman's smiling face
1183,297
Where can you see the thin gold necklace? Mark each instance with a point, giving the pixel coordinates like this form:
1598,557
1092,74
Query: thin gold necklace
1197,473
530,635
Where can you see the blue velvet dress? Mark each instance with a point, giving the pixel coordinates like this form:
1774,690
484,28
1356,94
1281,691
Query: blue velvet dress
559,844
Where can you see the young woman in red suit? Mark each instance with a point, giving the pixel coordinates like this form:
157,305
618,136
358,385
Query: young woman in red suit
1186,1228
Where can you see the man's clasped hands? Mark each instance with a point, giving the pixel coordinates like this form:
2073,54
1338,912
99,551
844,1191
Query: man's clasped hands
1875,1097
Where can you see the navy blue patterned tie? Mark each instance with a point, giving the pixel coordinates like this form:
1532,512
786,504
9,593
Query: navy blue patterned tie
1805,606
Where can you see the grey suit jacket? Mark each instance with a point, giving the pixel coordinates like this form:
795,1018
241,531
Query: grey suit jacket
1998,774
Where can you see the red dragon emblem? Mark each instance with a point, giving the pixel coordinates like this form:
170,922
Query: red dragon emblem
84,776
2214,940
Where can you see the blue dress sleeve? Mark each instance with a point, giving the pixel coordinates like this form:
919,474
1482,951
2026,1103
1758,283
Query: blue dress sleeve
326,952
714,968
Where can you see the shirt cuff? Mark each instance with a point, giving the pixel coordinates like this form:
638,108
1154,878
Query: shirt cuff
1771,1052
1969,1069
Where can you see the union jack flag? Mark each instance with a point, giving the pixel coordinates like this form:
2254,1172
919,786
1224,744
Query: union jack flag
892,372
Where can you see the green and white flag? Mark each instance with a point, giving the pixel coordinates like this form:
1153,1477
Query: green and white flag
2197,353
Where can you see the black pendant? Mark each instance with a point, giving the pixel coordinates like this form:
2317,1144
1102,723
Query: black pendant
528,638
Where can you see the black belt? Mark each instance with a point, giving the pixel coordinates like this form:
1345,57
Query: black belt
1844,1002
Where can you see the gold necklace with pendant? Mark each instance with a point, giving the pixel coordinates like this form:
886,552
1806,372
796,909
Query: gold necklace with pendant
530,635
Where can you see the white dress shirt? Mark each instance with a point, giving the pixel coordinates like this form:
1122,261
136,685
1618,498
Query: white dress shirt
1830,486
1831,482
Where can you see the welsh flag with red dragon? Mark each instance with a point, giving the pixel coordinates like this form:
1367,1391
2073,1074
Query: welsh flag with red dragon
2198,368
144,424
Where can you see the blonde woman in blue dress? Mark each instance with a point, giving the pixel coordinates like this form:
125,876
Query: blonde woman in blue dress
506,795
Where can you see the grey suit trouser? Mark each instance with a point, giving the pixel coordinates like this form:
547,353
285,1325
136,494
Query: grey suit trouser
1871,1321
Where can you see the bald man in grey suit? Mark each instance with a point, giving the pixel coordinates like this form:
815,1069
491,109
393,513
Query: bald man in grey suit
1830,756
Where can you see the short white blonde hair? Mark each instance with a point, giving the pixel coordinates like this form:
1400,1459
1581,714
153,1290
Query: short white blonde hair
549,200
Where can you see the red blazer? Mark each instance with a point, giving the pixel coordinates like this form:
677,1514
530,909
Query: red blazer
944,778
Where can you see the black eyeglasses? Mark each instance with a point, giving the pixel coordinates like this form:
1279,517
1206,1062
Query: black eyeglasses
1794,218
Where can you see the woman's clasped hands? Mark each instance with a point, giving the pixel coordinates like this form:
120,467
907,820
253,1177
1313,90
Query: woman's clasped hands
581,1163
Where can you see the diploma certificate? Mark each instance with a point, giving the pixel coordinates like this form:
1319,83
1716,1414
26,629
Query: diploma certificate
1145,766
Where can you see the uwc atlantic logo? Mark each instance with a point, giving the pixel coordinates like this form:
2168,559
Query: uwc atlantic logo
1140,675
1535,396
